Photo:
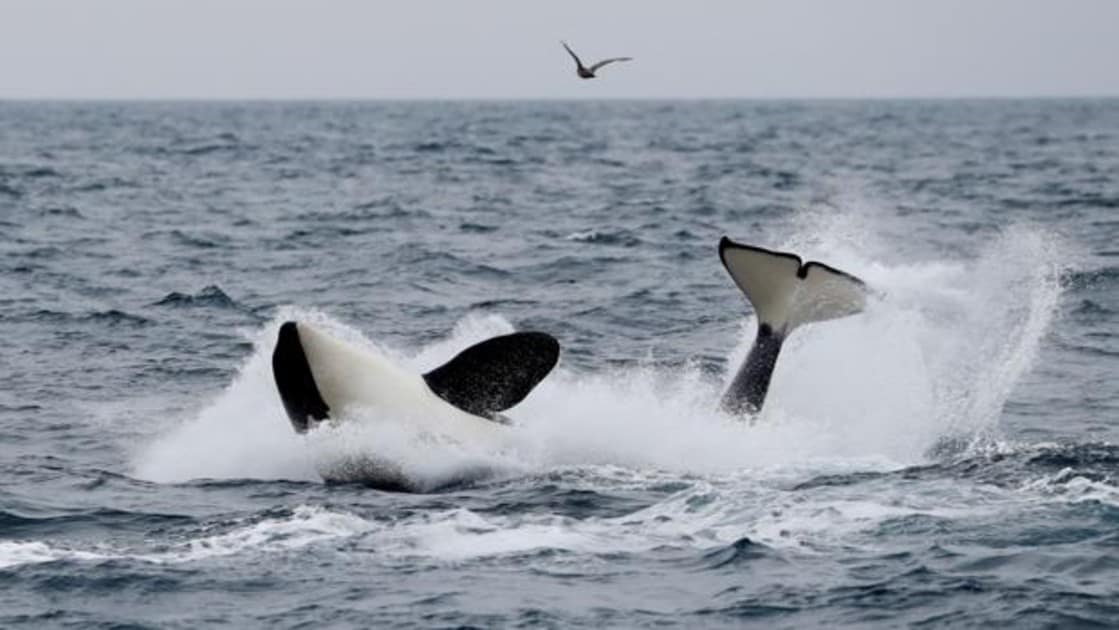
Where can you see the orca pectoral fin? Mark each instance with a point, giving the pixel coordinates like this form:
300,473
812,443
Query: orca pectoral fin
298,391
495,374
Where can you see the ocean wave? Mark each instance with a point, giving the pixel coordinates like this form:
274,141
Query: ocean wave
741,552
110,318
18,171
623,238
209,296
17,553
278,533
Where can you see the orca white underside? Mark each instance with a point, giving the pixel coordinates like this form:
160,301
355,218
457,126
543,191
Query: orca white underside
358,384
322,379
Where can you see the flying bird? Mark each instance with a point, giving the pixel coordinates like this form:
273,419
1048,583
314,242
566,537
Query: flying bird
585,72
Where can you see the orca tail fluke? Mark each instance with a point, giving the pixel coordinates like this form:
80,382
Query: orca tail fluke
785,292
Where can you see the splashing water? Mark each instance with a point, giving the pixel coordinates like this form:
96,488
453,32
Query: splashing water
936,354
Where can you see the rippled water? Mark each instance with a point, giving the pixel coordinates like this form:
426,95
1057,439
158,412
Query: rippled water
947,458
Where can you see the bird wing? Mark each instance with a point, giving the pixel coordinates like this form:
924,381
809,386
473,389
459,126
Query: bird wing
606,61
572,53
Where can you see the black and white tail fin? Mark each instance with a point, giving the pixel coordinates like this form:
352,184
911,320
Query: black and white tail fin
785,292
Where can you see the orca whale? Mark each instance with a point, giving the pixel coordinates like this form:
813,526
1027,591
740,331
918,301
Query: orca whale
321,378
786,292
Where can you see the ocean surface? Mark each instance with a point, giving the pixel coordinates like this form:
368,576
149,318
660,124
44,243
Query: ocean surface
948,458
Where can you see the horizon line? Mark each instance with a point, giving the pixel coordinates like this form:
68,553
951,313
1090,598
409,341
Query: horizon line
567,99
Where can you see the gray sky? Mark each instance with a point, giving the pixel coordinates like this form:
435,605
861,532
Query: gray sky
510,48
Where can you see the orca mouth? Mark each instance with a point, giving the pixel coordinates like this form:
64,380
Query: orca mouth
302,401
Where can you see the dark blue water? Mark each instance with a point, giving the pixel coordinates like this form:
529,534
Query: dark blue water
947,458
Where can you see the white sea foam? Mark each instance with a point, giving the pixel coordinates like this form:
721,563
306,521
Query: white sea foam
20,552
1068,486
306,525
703,516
